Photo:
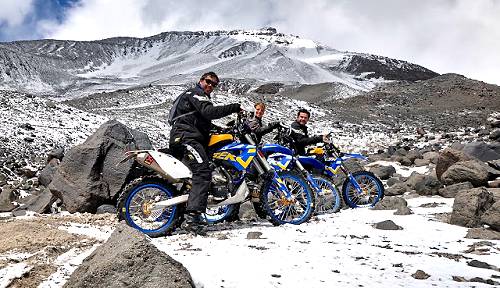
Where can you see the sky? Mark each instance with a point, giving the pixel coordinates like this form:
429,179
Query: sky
458,36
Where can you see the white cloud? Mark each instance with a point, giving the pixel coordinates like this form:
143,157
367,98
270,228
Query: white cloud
458,36
13,12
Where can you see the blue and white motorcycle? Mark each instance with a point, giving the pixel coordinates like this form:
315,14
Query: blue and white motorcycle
154,202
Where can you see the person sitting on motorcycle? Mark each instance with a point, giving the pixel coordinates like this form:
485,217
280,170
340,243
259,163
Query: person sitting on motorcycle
299,133
190,118
256,125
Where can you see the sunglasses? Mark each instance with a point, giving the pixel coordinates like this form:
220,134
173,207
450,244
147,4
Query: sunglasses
211,82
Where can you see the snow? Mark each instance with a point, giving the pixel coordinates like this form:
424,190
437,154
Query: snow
12,272
67,263
342,250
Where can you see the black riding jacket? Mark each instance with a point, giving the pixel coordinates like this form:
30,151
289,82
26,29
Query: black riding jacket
257,127
192,113
301,139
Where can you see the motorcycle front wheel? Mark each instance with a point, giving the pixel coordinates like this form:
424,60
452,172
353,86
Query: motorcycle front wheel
372,190
296,210
328,199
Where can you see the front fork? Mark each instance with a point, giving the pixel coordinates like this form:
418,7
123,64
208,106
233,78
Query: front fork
308,176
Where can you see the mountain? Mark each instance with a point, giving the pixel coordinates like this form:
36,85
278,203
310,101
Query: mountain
75,68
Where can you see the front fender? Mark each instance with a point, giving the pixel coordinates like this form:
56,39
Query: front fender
275,148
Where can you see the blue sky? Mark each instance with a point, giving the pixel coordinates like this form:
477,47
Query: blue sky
459,36
34,13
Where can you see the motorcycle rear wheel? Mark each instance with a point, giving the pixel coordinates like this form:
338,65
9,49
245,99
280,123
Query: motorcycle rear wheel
136,206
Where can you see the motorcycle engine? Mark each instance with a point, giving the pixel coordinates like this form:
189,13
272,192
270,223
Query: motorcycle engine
220,188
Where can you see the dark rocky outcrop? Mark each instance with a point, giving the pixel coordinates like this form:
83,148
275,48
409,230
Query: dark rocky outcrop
89,176
470,205
451,191
492,216
447,158
481,151
129,259
471,171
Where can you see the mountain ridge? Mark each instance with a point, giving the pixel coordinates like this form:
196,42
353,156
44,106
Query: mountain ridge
74,68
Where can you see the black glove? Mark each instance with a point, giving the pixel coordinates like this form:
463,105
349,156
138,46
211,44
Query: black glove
275,124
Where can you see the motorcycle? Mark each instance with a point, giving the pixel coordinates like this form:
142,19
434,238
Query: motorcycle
360,188
154,202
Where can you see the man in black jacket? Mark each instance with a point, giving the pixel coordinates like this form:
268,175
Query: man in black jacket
190,117
299,133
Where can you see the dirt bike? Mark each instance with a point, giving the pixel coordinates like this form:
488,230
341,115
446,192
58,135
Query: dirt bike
281,158
359,189
154,204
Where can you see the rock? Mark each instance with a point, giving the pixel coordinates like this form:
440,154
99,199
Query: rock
447,158
129,259
481,151
495,135
391,203
254,235
28,171
494,183
47,173
88,175
6,198
468,171
469,206
39,202
396,189
451,191
106,208
428,185
431,156
387,225
495,192
422,162
393,180
57,153
482,233
421,275
492,216
403,211
480,264
383,172
414,155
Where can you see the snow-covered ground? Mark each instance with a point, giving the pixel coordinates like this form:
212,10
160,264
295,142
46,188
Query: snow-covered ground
342,250
339,250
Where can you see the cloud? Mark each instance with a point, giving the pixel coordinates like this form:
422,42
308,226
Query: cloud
458,36
13,12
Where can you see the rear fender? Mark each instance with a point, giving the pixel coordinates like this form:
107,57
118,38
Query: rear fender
165,164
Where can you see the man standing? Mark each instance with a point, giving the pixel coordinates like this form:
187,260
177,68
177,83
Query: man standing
190,117
299,133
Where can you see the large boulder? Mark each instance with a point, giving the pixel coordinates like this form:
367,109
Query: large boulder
47,173
383,172
39,201
451,191
471,171
470,205
6,198
447,158
129,259
88,176
429,185
481,151
492,216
